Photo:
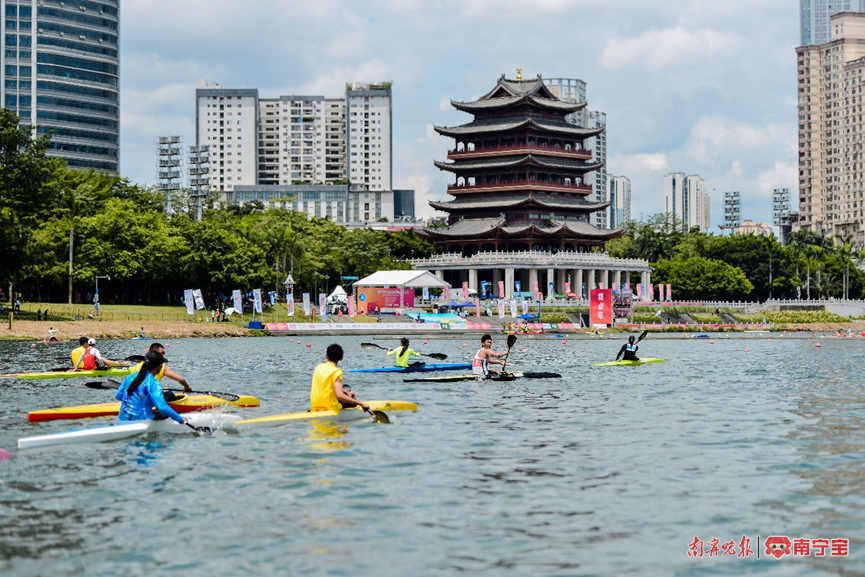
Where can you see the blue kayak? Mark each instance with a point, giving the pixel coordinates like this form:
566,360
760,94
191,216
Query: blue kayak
429,367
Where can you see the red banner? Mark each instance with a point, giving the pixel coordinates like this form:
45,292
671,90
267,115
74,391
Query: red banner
601,306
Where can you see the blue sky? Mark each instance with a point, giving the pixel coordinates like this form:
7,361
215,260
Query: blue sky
698,86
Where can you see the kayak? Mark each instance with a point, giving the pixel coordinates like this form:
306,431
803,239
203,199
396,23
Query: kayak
352,414
111,372
429,367
630,363
182,404
57,341
139,339
509,376
124,431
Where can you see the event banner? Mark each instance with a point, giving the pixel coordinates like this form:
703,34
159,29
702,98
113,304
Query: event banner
189,300
639,291
535,289
446,293
322,304
651,292
567,288
307,309
465,291
426,293
627,287
525,307
290,302
256,300
501,308
477,308
517,286
272,296
669,293
350,307
371,299
601,306
198,298
615,287
552,289
601,285
514,308
501,289
238,301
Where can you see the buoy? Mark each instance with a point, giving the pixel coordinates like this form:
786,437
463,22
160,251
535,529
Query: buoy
465,345
4,456
564,342
770,340
747,351
817,345
309,344
711,342
178,342
33,345
424,342
291,340
298,342
525,350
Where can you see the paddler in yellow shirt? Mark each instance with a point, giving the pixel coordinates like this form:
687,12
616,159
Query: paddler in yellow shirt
164,371
76,353
327,393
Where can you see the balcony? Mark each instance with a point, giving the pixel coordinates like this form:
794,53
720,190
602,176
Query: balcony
504,150
519,185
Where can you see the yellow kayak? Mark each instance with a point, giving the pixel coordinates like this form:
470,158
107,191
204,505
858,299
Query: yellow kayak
182,404
352,414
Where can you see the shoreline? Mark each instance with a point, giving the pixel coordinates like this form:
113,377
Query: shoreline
163,330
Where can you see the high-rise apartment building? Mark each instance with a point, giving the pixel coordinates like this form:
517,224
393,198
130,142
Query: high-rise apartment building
831,78
369,148
59,68
732,210
685,198
814,17
619,188
574,90
296,139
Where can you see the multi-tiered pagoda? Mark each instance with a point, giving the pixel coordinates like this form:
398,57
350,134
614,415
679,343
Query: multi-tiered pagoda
520,176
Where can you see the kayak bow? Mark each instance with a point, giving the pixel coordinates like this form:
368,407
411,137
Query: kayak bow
182,404
109,372
352,414
624,363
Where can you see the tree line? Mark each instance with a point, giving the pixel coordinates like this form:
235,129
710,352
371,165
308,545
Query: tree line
743,267
61,228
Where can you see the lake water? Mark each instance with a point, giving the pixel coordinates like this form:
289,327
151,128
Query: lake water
607,471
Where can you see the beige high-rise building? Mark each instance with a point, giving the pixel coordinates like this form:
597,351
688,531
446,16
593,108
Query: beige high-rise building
831,157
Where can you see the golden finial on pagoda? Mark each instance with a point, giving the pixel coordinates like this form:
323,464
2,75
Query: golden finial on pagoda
519,73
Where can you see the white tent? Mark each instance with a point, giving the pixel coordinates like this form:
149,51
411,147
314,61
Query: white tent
338,295
403,278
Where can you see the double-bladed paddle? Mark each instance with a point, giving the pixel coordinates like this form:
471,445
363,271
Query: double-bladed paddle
436,356
111,384
512,340
130,358
206,431
641,337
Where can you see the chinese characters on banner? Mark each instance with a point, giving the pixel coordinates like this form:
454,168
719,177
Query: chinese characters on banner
188,300
601,306
307,308
501,289
199,299
513,308
322,304
238,301
290,302
639,292
465,291
256,300
501,308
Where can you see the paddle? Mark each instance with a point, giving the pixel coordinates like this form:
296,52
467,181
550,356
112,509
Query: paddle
206,431
378,416
436,356
512,340
641,337
130,358
110,384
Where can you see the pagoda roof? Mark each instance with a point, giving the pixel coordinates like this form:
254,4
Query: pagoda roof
519,100
485,227
553,202
554,162
507,87
489,125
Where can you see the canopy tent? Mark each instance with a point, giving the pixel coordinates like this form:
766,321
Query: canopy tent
338,295
403,278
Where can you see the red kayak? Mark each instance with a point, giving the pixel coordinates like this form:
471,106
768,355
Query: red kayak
57,341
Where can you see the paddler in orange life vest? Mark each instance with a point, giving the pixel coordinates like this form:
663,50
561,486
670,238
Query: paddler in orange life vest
485,357
164,371
327,392
91,359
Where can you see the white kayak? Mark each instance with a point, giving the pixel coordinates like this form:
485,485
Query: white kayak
118,431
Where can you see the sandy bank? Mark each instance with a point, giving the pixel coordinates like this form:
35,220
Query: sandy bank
156,330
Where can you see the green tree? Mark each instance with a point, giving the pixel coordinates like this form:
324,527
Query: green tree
703,278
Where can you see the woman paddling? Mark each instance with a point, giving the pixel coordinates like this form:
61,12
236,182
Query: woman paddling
403,353
629,350
140,392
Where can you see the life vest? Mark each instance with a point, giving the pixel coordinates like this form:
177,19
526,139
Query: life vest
480,366
88,361
631,348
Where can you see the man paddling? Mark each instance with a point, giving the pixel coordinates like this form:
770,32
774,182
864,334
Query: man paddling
485,357
76,353
630,348
52,332
92,359
164,371
327,393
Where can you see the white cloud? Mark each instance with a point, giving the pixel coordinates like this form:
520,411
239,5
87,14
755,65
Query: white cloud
633,163
670,48
713,137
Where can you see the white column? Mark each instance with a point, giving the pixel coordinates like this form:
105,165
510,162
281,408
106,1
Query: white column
590,281
578,289
533,278
561,279
473,279
440,274
551,278
626,277
509,283
497,276
617,278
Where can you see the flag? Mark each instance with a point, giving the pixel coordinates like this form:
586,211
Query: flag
477,308
272,296
256,300
601,285
517,286
238,301
669,293
525,307
425,293
350,307
651,292
567,288
290,301
501,308
465,291
616,287
307,309
199,300
513,308
535,288
639,291
188,299
446,293
501,289
322,304
552,289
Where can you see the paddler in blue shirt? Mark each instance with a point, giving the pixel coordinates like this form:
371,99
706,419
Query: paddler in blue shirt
629,350
327,393
140,392
402,355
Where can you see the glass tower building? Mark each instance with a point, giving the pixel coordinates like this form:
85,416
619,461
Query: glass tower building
60,69
814,17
